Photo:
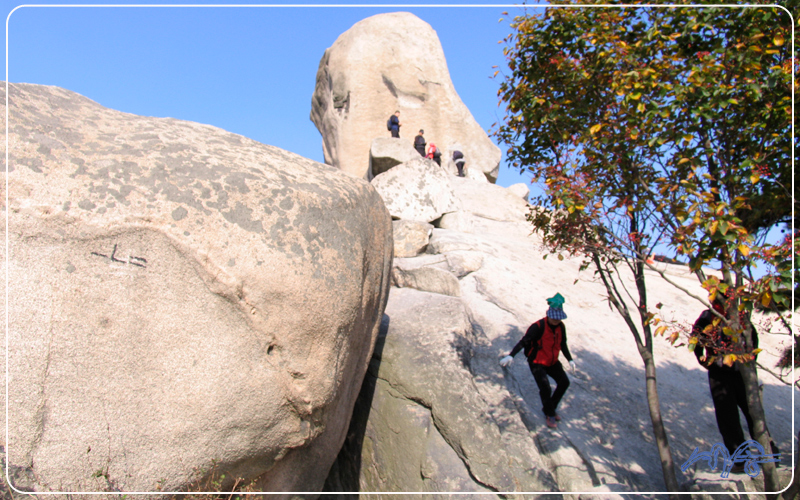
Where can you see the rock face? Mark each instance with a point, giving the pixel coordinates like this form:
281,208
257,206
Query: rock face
410,237
520,190
387,152
182,297
437,412
417,190
385,63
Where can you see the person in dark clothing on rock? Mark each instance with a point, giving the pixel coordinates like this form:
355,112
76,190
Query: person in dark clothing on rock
726,382
458,159
543,342
419,143
394,124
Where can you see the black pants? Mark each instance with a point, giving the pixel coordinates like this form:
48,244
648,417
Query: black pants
460,167
550,399
396,132
728,394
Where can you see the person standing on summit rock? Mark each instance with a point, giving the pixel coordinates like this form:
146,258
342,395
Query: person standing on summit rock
394,124
419,143
543,342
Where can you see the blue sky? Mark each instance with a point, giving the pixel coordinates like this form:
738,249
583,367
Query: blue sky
248,70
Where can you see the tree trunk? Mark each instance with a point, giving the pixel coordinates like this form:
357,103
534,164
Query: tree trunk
659,432
646,352
771,480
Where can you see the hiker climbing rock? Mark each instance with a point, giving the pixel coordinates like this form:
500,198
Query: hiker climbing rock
542,343
458,158
419,143
434,154
394,124
725,382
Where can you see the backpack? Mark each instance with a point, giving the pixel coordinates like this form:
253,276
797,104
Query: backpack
389,123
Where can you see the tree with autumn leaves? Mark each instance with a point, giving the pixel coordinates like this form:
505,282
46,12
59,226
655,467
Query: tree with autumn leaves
662,128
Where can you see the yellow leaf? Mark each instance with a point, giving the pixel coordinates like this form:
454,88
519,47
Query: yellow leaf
778,40
713,229
756,351
683,160
727,331
729,359
595,128
766,299
744,249
754,178
660,330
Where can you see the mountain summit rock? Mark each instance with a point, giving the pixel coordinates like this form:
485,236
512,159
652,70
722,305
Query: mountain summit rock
385,63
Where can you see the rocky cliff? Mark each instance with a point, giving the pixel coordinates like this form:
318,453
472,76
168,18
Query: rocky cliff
184,301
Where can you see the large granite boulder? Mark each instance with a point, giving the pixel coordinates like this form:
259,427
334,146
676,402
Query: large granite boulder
385,63
185,301
489,200
388,152
418,190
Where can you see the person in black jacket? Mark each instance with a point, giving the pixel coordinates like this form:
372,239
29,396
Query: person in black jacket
725,382
543,342
419,143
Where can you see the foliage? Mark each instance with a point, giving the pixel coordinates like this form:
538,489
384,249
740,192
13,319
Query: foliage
662,127
655,127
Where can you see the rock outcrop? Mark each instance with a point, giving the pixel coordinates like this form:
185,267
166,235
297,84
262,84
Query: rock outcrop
184,301
417,190
385,63
437,412
388,152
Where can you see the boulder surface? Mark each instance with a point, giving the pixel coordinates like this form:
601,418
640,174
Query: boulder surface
435,397
418,190
386,63
185,301
388,152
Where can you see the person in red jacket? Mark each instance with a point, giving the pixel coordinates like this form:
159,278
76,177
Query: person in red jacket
543,342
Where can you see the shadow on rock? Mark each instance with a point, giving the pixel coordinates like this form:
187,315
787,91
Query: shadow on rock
346,470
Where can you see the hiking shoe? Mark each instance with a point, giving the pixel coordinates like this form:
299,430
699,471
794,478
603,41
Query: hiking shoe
551,422
557,417
737,469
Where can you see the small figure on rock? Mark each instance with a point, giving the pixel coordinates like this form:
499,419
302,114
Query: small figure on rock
458,158
394,124
726,382
419,143
543,342
434,154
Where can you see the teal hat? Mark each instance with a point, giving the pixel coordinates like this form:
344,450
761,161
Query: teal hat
556,301
556,310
